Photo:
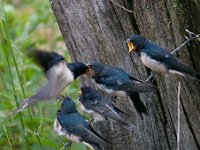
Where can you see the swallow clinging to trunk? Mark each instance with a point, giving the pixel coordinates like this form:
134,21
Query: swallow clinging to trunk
119,83
159,59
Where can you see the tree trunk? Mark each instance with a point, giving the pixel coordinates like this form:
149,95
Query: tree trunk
97,30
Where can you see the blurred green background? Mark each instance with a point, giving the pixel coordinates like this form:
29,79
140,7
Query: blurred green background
25,25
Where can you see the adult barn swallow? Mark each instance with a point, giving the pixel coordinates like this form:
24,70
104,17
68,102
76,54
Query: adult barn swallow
76,128
59,75
100,108
118,82
159,59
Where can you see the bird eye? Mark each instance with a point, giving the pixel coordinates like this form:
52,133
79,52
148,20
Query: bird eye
131,47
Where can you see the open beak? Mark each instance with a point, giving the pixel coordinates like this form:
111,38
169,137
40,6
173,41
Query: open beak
131,46
89,68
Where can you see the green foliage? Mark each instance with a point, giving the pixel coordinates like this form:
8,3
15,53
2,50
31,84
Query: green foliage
25,25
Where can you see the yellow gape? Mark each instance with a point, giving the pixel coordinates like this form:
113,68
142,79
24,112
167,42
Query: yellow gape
131,47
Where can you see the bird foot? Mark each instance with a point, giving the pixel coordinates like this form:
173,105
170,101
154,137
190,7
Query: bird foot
61,98
186,38
68,144
114,97
152,76
92,121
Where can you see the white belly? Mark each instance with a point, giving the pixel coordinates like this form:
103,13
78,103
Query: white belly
120,94
58,128
65,77
97,116
59,76
153,64
83,108
73,138
102,87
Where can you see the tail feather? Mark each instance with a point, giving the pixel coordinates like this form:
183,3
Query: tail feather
198,76
139,105
178,67
117,118
129,126
25,104
46,59
138,86
195,76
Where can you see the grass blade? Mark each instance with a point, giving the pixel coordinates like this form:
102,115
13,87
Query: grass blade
8,49
4,127
6,46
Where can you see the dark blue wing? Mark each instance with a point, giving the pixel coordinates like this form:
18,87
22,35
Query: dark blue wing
118,79
75,124
171,62
156,52
112,77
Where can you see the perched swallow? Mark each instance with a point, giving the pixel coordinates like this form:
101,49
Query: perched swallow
159,59
59,75
118,82
100,108
73,125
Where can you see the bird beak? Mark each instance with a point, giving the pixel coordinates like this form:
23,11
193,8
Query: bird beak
131,46
89,68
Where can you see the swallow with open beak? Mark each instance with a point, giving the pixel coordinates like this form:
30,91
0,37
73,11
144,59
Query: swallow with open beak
58,73
100,107
119,83
159,59
72,124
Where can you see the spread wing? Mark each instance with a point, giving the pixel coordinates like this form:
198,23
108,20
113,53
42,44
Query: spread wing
51,90
44,94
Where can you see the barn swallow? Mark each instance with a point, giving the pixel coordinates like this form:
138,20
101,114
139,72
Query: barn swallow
159,59
73,125
59,75
118,82
100,108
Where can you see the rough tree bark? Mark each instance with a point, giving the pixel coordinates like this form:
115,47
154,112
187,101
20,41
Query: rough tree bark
96,30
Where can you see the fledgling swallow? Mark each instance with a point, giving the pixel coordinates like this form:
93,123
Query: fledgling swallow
73,125
118,82
58,73
100,108
159,59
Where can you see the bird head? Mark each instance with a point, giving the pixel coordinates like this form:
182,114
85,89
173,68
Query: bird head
68,106
95,69
89,93
78,69
135,42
